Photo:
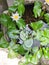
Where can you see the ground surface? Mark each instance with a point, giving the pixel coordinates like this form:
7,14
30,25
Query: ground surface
4,60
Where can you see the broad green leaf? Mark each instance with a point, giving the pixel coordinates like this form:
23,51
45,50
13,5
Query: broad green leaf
46,52
12,54
12,8
26,48
44,41
14,46
35,49
17,48
45,33
39,53
3,43
37,9
12,43
21,24
4,19
34,60
36,57
37,25
7,22
21,50
13,34
28,58
28,44
46,17
23,35
21,9
42,36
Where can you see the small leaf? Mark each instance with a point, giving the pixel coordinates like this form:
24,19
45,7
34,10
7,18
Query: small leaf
3,43
21,9
37,9
28,44
39,53
46,52
46,17
12,54
34,60
37,25
21,50
21,24
4,19
12,8
7,22
13,34
35,49
23,35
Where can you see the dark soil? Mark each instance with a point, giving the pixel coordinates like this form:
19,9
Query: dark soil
28,15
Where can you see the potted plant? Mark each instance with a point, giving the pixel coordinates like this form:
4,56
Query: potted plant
21,35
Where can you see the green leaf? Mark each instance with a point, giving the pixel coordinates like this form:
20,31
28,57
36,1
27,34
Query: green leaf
37,9
21,50
44,41
13,34
23,35
21,24
35,49
7,22
39,53
42,36
17,48
3,43
34,60
21,9
4,19
46,52
37,25
12,54
28,44
14,46
46,17
12,8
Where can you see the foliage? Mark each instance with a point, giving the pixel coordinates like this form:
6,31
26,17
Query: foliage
37,9
32,58
46,17
14,7
11,53
21,23
7,22
46,53
36,25
42,36
22,36
3,43
21,9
